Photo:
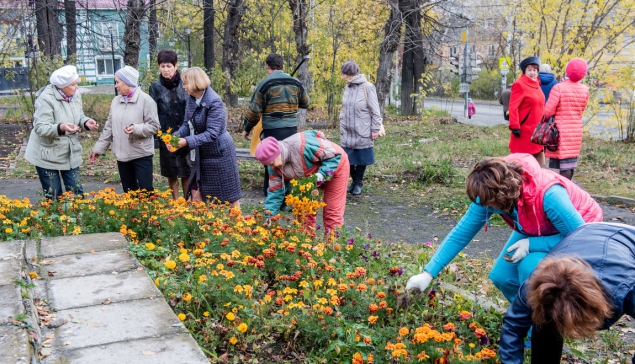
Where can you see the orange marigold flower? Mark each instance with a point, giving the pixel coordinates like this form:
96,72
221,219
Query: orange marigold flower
449,327
383,304
342,287
367,340
362,287
381,295
422,356
373,319
389,346
403,331
357,359
464,315
372,308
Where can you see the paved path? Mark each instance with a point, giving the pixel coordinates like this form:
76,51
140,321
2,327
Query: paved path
102,305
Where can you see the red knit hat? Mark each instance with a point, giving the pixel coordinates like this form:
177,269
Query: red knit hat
576,69
267,150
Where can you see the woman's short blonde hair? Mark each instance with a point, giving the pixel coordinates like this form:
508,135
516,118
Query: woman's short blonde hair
195,80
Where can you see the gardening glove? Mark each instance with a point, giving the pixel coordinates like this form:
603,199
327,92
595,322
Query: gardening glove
516,132
421,281
522,249
320,178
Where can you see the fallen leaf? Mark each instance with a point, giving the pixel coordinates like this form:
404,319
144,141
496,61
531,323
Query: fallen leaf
148,352
67,343
106,302
139,268
92,251
52,273
46,261
93,325
45,352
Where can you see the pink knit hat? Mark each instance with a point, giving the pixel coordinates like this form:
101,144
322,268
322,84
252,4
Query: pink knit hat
267,150
576,69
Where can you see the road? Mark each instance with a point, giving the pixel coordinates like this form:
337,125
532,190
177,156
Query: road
490,113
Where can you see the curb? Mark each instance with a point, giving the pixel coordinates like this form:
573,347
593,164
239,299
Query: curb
615,200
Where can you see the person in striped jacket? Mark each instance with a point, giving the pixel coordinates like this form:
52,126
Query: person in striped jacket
302,155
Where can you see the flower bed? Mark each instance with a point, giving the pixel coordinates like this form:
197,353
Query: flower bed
246,290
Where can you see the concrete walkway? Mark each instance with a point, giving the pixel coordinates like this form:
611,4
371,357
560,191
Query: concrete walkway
92,303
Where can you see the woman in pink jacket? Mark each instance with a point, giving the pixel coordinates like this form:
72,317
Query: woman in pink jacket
567,101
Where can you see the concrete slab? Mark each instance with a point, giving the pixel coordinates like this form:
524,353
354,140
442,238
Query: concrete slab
78,244
30,251
74,292
180,348
9,270
87,264
10,303
11,249
14,345
117,322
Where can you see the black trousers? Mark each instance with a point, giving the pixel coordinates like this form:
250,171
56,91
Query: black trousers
136,174
546,345
278,134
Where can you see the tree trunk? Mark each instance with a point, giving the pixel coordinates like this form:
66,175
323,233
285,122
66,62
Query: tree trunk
208,34
300,9
49,29
387,48
413,58
153,28
70,13
132,36
235,11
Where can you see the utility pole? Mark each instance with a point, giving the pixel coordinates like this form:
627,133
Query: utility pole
465,65
188,31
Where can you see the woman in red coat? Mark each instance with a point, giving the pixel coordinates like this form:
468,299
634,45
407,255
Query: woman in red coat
567,102
526,107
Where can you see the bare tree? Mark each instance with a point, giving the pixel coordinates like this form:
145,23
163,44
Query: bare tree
387,48
49,29
413,57
132,37
153,27
300,9
208,33
70,14
235,11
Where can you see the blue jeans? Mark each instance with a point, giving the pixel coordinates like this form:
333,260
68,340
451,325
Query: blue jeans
52,183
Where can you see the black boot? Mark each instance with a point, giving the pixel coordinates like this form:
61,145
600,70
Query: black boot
358,182
352,173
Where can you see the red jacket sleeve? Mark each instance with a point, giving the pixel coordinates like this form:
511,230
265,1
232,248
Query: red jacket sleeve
515,100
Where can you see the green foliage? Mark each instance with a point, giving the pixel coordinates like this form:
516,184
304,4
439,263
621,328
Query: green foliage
440,172
486,86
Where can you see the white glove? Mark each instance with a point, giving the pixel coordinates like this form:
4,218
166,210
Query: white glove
421,281
319,176
522,249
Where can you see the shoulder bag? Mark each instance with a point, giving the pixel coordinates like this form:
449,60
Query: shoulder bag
382,131
546,133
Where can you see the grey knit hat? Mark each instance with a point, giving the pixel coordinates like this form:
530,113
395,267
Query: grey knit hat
350,68
129,76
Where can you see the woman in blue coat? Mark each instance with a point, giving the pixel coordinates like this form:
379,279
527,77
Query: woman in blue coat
215,165
585,283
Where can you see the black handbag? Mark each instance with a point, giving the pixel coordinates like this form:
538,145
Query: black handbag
546,133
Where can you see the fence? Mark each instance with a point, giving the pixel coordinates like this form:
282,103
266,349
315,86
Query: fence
12,79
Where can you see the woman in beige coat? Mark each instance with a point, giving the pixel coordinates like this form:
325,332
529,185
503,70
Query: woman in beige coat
360,123
53,146
130,128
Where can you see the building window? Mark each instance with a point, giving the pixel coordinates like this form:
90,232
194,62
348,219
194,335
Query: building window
103,40
491,50
104,66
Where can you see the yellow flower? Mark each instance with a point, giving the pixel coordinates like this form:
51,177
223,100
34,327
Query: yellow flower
403,331
150,246
242,327
187,297
170,264
206,314
184,257
181,316
202,278
8,230
230,316
111,212
33,275
233,340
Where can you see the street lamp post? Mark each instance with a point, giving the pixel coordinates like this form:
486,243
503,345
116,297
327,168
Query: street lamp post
189,53
112,48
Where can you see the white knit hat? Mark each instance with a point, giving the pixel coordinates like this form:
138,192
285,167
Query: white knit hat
129,76
64,76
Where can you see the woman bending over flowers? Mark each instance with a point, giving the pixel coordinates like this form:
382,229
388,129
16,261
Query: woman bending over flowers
541,206
302,155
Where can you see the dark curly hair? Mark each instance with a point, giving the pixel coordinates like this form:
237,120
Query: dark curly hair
497,183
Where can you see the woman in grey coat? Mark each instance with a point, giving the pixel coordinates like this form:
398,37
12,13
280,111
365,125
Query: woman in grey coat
53,146
360,122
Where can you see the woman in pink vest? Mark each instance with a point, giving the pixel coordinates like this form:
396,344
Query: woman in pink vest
541,207
567,101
